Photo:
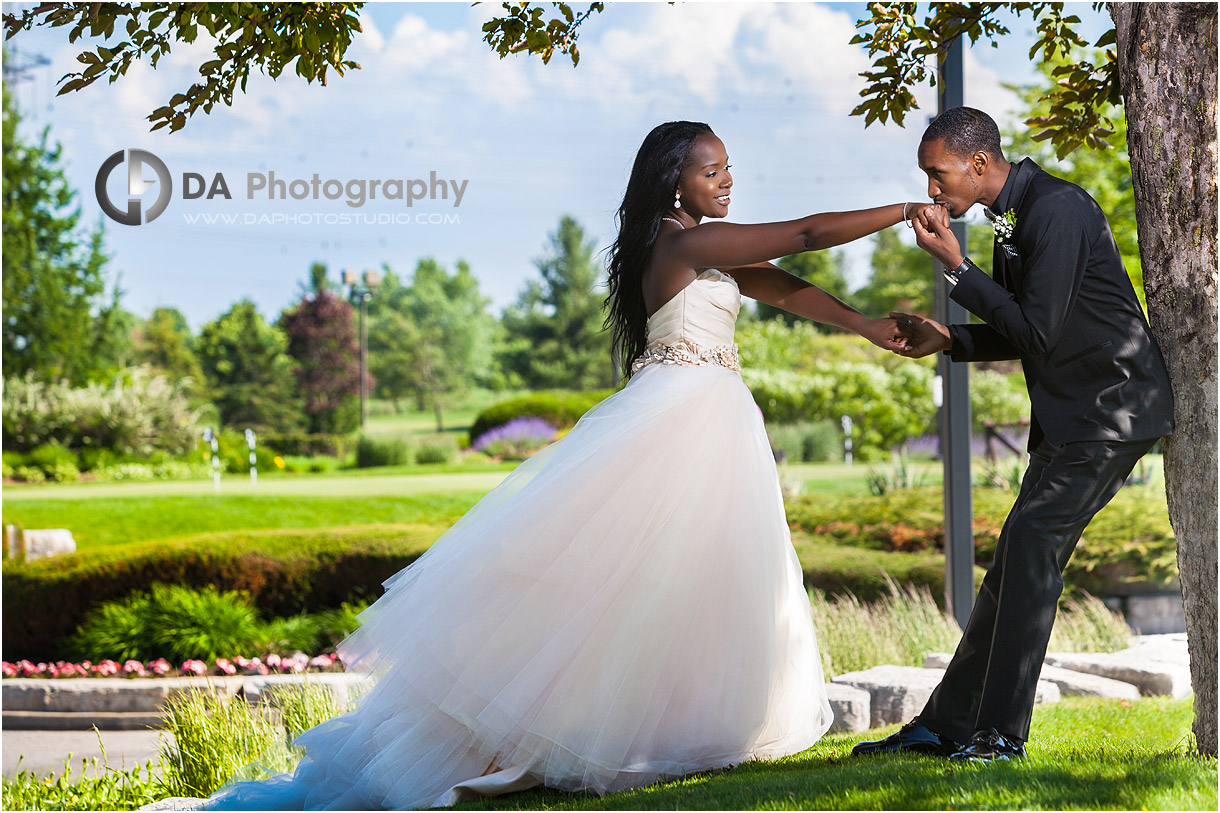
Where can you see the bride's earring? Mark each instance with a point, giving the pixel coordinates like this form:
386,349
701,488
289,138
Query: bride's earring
677,200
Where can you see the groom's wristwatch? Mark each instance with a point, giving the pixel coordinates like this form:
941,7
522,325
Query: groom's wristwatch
955,274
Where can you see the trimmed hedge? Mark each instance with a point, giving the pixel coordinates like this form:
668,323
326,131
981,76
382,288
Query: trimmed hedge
306,444
560,408
284,572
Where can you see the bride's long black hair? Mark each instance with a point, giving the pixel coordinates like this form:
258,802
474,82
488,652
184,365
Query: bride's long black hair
650,195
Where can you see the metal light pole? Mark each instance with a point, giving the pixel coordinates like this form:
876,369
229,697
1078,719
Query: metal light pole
360,295
955,409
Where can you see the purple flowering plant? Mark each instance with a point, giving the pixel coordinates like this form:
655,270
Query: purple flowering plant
515,440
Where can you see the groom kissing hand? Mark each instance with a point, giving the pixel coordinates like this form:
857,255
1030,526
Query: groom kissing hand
1059,300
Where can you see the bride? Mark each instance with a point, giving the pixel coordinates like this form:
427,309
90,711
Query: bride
626,606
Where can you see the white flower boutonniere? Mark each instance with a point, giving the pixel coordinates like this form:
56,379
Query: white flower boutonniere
1004,225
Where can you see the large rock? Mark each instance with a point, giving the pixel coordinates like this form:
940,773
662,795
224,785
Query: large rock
1072,683
1151,677
851,707
1169,648
896,693
104,694
1068,683
39,544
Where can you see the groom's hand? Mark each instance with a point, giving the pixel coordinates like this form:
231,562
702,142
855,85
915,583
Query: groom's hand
933,235
923,336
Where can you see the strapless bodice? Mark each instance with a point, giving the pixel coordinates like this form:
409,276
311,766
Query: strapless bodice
696,325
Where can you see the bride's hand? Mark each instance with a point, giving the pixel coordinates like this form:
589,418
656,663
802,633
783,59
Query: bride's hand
885,333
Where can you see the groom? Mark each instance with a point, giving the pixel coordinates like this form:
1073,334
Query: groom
1060,301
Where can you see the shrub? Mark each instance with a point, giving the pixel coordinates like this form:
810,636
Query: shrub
306,444
56,462
1130,542
171,622
886,407
296,633
283,572
381,451
771,344
13,460
29,474
1001,399
807,442
169,470
559,408
515,440
93,458
299,463
234,451
139,411
438,448
340,622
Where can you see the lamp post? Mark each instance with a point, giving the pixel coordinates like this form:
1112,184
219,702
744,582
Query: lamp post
955,401
358,293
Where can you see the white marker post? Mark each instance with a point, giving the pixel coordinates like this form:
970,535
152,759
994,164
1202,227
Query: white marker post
210,437
846,422
253,464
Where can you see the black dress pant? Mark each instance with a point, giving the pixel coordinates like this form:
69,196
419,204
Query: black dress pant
993,676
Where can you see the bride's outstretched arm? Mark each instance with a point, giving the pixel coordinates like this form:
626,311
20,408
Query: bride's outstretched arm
769,283
725,245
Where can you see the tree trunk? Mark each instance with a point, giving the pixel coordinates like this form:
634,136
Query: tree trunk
1167,63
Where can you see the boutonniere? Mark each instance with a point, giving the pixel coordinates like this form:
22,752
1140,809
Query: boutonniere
1004,225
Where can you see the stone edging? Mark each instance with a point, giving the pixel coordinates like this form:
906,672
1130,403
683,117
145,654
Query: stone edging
884,695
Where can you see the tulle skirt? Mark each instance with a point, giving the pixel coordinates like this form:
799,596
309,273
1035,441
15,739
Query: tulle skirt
625,607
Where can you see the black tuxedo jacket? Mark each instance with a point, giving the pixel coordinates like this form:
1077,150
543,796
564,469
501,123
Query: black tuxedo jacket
1060,300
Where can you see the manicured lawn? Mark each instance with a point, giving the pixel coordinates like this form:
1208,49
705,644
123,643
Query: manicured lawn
840,479
141,517
1086,754
313,485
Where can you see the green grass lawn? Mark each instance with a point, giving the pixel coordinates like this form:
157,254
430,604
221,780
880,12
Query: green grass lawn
141,517
1086,754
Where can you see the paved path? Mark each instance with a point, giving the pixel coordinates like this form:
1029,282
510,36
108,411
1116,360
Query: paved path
45,751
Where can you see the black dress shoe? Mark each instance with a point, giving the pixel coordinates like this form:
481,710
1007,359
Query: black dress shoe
914,737
990,745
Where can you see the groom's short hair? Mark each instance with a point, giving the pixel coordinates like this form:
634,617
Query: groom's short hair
965,131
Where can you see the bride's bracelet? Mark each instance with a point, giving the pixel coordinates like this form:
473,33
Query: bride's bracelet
904,215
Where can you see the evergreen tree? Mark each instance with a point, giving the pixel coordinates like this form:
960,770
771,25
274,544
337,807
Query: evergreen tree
555,335
57,323
246,363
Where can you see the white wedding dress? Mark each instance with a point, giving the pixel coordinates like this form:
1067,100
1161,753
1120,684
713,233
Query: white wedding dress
625,607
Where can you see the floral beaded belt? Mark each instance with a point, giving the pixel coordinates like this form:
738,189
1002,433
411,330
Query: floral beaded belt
687,355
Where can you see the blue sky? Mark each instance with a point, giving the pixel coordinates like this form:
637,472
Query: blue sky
532,142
